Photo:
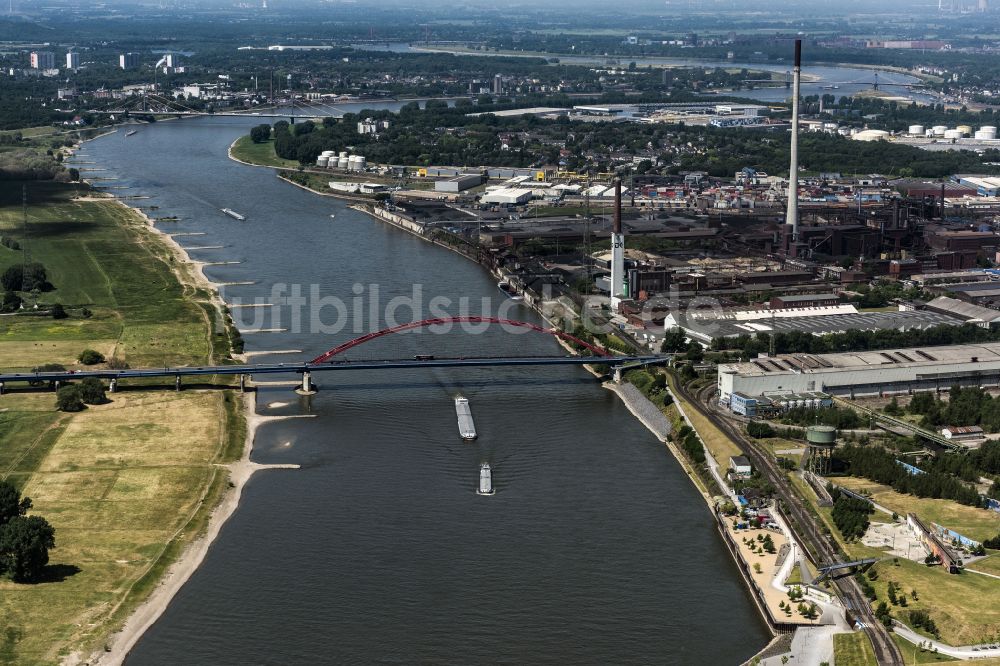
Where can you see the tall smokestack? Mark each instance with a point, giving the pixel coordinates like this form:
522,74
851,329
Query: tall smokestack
792,214
617,252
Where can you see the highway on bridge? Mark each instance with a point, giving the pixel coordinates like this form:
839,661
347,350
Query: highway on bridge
309,367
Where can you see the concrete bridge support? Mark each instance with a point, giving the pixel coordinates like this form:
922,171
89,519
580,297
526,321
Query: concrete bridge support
113,386
177,383
1,388
243,383
617,375
307,388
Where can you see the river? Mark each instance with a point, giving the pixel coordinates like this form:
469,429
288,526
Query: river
596,548
836,80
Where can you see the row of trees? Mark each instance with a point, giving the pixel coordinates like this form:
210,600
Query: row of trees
24,540
839,417
878,465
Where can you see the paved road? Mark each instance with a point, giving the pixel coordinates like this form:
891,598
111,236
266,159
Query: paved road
961,652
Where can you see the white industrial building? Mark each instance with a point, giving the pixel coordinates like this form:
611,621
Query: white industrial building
865,373
507,196
705,326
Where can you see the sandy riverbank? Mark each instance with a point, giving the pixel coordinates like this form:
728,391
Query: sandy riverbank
180,572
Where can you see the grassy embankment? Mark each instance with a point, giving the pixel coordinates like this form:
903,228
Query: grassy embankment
853,650
127,485
261,154
718,443
957,603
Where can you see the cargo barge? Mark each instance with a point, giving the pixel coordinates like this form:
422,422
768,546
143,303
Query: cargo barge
485,480
466,427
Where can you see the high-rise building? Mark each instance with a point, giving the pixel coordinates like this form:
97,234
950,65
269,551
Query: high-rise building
73,61
128,60
498,85
43,60
170,60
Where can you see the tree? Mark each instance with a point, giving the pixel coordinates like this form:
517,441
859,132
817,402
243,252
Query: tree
22,277
260,133
12,504
92,391
24,547
90,357
58,311
695,353
674,340
69,399
11,302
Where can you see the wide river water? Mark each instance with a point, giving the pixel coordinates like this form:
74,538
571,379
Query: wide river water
595,549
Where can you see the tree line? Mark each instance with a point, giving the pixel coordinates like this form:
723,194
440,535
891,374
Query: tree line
879,465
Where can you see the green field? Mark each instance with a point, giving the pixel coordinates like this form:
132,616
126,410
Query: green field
853,650
128,484
260,153
122,484
99,256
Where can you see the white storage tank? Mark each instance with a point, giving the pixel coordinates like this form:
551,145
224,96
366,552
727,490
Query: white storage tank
342,162
953,134
323,161
916,130
939,130
965,130
929,133
352,163
987,132
362,162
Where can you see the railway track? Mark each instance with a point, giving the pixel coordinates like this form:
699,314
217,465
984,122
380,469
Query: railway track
804,525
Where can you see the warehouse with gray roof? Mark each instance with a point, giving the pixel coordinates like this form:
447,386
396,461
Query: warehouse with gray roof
865,373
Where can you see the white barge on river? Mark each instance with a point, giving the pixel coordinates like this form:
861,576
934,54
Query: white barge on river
485,480
466,427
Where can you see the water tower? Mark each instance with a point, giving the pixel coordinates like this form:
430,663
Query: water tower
821,440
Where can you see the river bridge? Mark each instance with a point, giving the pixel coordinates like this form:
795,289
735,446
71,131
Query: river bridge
332,361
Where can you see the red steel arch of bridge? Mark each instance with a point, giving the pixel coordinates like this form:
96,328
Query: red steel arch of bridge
440,321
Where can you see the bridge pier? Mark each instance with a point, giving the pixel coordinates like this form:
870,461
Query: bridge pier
617,374
1,388
113,386
177,383
243,383
307,388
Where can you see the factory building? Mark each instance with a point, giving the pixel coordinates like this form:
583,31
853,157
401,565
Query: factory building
459,183
706,326
868,373
969,313
505,196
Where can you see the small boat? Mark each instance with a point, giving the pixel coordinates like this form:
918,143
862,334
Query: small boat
466,426
332,215
131,132
508,289
485,480
233,214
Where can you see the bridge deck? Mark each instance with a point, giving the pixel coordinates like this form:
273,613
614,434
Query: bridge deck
279,368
